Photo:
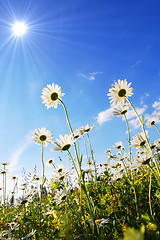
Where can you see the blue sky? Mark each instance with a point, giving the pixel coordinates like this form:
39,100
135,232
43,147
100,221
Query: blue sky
83,46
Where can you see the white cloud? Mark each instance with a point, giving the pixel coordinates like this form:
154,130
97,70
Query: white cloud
105,116
156,105
135,124
136,64
15,157
131,114
142,98
91,76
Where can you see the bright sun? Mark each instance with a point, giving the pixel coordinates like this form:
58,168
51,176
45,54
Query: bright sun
19,29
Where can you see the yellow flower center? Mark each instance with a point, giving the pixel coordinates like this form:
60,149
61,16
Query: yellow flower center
66,147
54,96
122,93
43,138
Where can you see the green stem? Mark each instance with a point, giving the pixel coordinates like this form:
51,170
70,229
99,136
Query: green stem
73,162
140,121
67,117
42,159
143,129
149,195
129,137
156,128
93,160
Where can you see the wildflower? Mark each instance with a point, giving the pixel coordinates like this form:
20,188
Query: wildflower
151,122
108,151
144,158
14,177
60,168
13,225
118,145
42,135
51,95
121,158
64,143
120,91
120,110
157,143
36,178
87,128
101,222
78,133
4,163
139,140
29,235
50,162
3,171
60,196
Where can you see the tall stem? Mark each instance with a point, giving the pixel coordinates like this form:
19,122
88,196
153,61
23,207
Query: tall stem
143,129
140,121
93,160
149,195
67,117
129,138
42,159
156,128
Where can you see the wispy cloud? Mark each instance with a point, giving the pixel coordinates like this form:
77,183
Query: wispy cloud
104,116
156,105
16,154
143,97
131,114
136,64
90,76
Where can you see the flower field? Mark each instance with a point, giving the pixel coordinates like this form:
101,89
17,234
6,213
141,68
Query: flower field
118,199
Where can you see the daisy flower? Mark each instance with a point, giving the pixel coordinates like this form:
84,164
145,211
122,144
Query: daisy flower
145,158
119,91
120,110
50,162
4,163
51,95
60,196
151,122
139,140
157,143
42,135
87,128
77,133
119,145
64,143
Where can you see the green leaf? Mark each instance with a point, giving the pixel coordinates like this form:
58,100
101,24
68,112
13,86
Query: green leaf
143,120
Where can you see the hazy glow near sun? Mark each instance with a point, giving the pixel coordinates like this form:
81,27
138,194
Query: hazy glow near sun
19,29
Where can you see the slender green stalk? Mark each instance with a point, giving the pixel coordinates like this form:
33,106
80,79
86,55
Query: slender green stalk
79,161
4,189
149,195
140,121
93,160
129,137
42,159
73,162
143,129
156,128
67,117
